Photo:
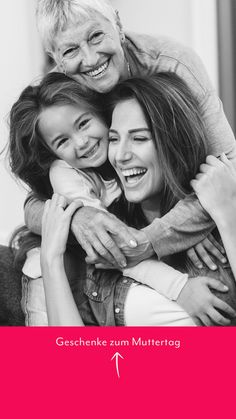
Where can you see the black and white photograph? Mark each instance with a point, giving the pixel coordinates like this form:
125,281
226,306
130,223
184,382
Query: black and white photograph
118,163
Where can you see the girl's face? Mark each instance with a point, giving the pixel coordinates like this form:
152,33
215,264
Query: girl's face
133,154
75,135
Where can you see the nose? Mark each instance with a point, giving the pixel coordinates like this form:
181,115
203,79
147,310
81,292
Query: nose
123,152
88,56
80,141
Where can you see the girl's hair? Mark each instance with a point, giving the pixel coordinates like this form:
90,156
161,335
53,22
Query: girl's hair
30,157
174,118
53,16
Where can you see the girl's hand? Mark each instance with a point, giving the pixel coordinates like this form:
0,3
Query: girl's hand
215,186
197,299
200,253
55,226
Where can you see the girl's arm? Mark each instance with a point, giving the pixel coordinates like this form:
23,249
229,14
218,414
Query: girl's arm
61,307
215,187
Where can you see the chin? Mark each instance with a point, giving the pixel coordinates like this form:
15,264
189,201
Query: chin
133,199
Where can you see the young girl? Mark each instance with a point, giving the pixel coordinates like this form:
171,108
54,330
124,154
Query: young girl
62,120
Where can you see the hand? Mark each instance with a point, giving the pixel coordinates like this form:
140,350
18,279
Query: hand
98,232
202,251
197,299
215,186
142,251
55,226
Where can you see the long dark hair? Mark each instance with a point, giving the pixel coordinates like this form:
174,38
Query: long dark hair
178,131
30,157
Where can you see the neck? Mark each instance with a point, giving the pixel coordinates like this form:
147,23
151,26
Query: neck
151,209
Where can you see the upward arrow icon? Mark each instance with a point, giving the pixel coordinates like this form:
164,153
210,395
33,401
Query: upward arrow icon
116,356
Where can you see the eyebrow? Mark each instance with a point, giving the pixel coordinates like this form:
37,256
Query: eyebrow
60,136
132,131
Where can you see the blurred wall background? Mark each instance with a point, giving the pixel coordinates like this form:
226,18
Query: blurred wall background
192,22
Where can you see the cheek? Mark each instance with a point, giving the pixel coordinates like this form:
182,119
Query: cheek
111,154
113,46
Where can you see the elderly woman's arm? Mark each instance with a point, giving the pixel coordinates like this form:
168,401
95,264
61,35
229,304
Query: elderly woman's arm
61,307
215,187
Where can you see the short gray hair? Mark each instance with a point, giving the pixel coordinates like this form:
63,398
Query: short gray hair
54,15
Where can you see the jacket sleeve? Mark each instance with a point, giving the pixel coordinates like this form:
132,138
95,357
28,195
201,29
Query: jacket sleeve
75,185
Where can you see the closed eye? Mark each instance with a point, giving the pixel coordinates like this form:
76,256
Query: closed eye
61,142
141,139
70,51
112,139
96,37
83,123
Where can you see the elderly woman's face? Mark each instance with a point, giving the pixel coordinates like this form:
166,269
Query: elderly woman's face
91,53
133,154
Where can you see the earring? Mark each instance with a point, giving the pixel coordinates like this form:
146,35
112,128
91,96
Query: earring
122,38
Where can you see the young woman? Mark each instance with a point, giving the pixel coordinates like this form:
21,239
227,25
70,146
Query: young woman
47,122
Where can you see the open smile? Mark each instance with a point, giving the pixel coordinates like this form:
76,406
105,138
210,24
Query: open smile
91,152
98,71
134,175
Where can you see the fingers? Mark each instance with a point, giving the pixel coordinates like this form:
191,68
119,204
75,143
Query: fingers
73,207
216,244
225,159
194,258
213,161
58,201
215,284
194,184
218,318
202,251
212,249
223,306
111,248
204,255
206,320
117,228
103,249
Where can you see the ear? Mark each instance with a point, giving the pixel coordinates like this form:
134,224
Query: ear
120,27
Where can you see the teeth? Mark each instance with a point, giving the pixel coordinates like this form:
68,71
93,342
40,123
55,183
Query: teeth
134,171
98,71
91,152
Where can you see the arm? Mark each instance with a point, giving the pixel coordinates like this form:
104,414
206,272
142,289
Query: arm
158,276
61,307
76,185
215,187
181,228
92,226
66,182
33,209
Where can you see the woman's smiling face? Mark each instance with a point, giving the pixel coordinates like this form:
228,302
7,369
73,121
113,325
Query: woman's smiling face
133,154
75,135
91,52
